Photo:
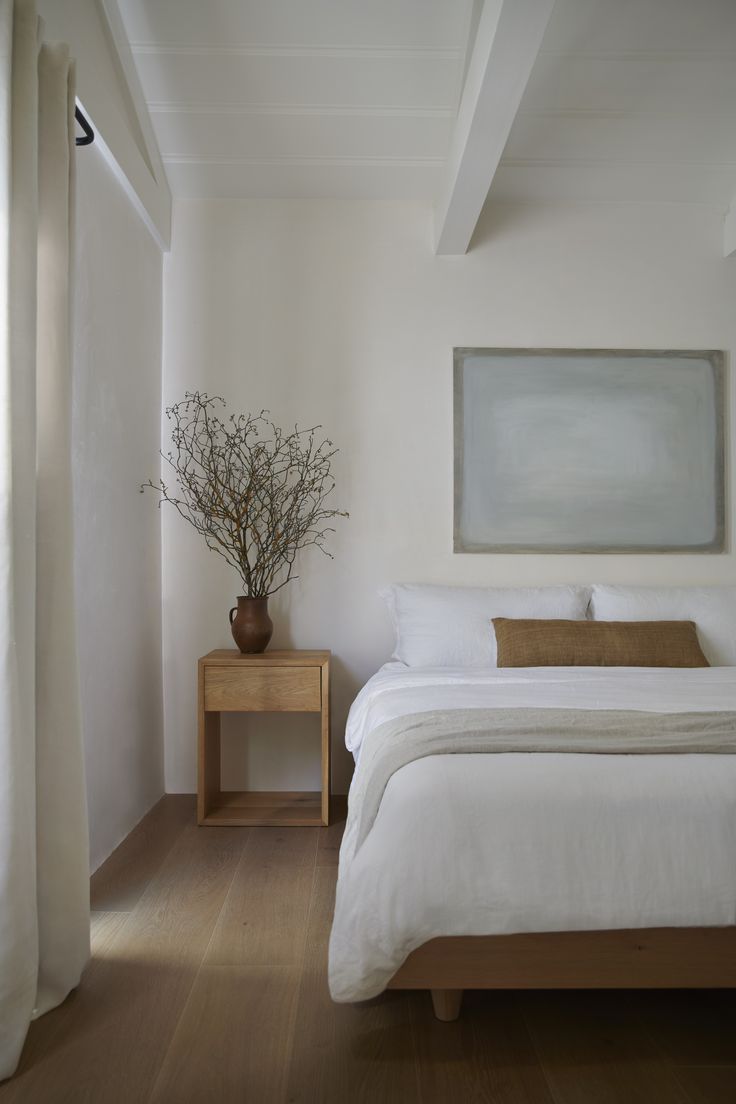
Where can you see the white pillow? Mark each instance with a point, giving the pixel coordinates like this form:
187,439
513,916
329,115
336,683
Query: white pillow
447,626
712,608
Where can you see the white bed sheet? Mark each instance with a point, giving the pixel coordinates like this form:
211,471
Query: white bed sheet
486,844
396,690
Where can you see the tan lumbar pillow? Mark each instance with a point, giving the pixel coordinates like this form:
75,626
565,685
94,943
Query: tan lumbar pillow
556,643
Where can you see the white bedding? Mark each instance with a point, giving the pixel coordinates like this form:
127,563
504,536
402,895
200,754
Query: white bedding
485,844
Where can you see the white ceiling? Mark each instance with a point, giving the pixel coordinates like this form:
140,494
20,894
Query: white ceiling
627,100
340,98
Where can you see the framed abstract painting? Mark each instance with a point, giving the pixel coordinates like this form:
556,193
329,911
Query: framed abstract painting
575,450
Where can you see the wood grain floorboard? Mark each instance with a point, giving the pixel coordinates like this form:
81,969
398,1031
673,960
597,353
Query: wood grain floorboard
330,838
121,880
360,1053
38,1063
694,1028
113,1037
292,846
592,1049
103,928
485,1057
708,1084
211,986
264,919
232,1043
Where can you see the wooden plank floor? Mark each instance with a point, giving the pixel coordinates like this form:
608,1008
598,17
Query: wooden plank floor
208,985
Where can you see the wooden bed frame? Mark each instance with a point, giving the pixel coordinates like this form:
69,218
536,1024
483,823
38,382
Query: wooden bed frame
646,958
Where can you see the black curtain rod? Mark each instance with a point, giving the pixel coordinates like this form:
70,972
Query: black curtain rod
88,137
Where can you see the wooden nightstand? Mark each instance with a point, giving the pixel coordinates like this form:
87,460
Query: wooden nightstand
275,682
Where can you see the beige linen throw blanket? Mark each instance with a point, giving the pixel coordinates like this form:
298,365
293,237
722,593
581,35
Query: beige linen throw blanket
396,743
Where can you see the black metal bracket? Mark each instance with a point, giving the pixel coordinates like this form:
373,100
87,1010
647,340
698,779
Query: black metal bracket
88,137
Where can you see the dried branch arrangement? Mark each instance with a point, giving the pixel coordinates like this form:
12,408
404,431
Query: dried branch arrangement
256,494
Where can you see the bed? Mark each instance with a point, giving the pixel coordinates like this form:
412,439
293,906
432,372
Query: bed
538,869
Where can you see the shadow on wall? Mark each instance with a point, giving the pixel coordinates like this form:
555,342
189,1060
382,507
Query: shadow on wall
498,221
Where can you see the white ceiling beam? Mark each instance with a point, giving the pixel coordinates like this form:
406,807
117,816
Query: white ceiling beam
111,97
506,45
729,230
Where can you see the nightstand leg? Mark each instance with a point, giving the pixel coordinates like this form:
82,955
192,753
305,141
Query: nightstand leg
326,749
208,791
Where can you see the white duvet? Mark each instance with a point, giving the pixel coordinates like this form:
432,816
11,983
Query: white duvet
485,844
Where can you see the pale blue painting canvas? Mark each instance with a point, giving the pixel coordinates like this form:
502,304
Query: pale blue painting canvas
588,451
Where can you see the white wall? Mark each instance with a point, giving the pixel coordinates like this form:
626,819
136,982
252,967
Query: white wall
339,313
117,402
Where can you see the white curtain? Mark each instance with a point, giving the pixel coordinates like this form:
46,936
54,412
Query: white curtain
44,883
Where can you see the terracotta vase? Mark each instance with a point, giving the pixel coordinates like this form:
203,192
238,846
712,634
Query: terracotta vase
251,626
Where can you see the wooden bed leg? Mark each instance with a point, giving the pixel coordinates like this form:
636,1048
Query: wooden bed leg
447,1003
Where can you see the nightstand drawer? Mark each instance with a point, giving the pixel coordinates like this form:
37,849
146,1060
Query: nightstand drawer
283,689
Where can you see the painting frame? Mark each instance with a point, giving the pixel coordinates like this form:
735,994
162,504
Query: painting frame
716,544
